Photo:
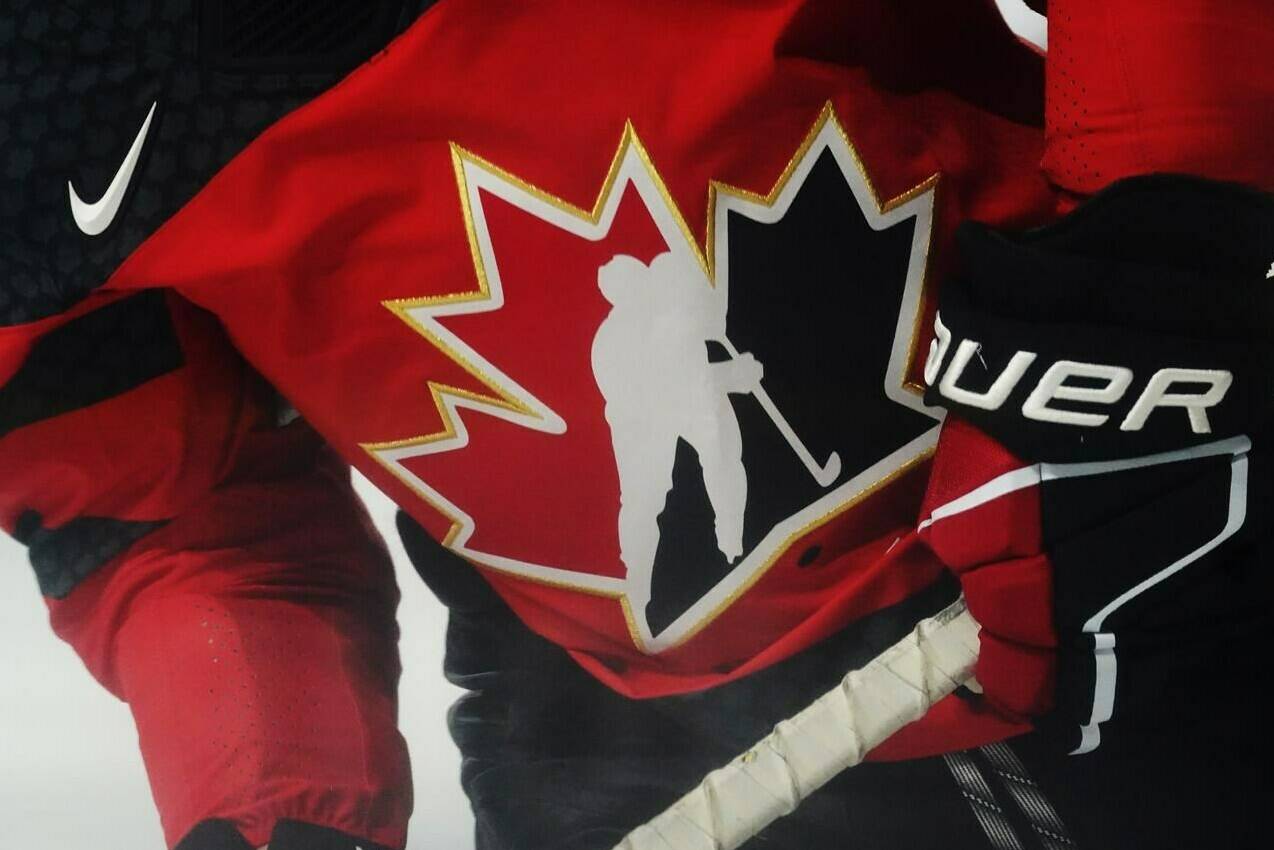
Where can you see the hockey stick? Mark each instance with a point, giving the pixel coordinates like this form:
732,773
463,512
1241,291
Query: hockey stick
824,473
834,732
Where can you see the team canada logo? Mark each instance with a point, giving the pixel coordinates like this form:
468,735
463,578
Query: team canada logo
636,415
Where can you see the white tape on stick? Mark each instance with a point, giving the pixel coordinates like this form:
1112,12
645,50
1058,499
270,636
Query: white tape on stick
834,732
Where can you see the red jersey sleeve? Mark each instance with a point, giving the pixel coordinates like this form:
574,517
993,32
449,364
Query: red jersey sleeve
214,571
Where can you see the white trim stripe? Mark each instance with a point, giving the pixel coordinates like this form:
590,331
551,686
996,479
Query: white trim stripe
1104,642
977,793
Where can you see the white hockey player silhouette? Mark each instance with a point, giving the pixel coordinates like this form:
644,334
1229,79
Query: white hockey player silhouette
650,360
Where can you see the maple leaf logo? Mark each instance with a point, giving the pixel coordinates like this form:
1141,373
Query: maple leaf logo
523,347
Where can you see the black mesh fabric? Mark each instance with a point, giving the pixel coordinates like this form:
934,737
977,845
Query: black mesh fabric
77,79
63,557
294,34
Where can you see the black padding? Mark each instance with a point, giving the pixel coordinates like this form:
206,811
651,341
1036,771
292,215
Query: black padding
287,835
295,835
90,359
455,581
62,557
213,835
297,35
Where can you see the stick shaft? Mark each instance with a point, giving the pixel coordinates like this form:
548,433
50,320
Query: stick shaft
834,732
824,475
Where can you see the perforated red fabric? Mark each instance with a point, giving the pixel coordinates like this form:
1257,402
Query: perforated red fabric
1135,88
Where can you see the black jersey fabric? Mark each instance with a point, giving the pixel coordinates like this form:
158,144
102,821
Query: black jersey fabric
77,79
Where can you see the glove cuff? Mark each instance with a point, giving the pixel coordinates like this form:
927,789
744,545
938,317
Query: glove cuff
1137,324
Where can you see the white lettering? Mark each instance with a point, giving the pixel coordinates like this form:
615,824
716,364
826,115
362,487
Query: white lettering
1156,395
994,397
1053,386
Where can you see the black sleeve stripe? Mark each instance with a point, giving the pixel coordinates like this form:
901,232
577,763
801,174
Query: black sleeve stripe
63,557
91,359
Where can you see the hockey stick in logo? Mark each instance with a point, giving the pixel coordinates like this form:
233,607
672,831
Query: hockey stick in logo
824,473
833,733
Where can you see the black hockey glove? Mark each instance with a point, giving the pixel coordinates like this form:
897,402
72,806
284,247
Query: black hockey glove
1102,486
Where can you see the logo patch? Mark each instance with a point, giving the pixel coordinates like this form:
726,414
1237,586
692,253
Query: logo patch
93,219
634,415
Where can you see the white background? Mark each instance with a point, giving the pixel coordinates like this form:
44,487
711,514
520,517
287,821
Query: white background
71,777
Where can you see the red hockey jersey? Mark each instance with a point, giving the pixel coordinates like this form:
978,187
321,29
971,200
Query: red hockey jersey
634,325
625,303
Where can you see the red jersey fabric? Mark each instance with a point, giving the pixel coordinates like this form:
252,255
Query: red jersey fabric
435,262
412,260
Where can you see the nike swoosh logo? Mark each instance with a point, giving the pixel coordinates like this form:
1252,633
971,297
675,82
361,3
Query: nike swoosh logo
95,217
